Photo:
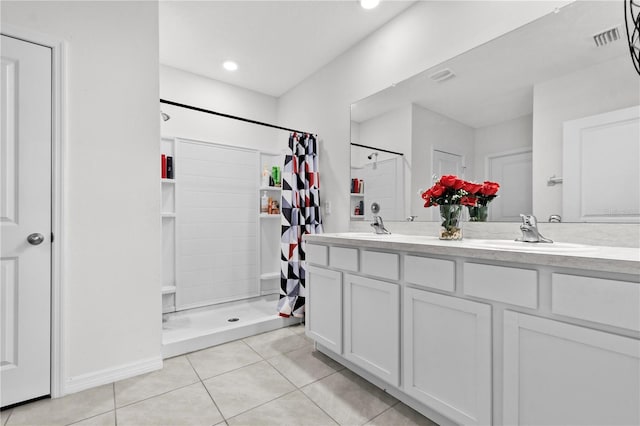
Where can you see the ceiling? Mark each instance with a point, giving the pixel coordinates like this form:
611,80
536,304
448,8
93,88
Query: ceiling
494,82
277,44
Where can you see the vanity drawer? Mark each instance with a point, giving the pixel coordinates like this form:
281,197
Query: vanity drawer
434,273
343,258
317,254
383,265
599,300
514,286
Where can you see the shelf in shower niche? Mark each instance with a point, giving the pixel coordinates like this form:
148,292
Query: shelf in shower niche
168,214
168,289
270,188
357,217
168,180
270,275
359,194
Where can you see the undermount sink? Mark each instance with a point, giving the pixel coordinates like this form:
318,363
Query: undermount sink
565,248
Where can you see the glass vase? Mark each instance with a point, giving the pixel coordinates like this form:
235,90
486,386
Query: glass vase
478,213
451,227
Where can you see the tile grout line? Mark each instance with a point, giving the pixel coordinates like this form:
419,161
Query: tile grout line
88,418
316,404
206,389
230,371
8,417
299,389
264,403
153,396
115,409
306,384
384,411
337,372
266,360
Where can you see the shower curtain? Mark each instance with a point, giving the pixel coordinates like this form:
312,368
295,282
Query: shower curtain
300,215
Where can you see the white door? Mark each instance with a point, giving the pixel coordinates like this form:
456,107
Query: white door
25,221
600,156
447,355
513,171
446,163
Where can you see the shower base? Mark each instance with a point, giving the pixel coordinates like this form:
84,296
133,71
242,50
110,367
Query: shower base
200,328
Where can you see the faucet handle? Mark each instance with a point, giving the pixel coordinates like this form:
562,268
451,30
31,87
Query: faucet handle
529,219
555,218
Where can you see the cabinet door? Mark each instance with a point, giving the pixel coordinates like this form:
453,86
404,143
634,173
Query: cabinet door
324,307
447,355
561,374
372,326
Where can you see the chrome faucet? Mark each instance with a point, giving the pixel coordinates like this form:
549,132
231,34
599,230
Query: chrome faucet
378,225
529,228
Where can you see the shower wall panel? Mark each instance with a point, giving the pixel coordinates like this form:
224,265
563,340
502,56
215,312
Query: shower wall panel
217,229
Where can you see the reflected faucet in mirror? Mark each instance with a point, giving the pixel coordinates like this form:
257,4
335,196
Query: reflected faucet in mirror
555,218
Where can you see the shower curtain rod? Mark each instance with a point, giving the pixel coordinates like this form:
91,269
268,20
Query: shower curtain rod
377,149
247,120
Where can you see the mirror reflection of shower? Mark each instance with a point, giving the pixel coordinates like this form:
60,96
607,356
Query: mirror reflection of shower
374,155
380,177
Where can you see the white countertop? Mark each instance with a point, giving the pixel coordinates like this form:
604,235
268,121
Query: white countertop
576,256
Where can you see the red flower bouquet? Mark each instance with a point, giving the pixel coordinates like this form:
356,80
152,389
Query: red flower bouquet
451,193
448,190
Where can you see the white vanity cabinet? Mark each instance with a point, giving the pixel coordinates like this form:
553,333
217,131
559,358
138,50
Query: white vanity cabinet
475,336
372,326
324,307
561,374
447,355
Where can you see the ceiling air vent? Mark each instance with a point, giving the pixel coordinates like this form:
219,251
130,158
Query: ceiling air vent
442,75
607,36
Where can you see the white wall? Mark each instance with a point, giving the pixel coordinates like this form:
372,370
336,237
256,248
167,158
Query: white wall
195,90
501,137
111,272
391,131
432,131
612,85
423,36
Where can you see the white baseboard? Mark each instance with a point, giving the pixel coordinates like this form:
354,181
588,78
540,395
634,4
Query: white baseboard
110,375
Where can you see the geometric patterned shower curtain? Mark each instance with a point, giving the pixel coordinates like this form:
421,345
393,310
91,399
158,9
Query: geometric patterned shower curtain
300,215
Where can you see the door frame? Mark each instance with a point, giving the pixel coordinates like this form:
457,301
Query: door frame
58,137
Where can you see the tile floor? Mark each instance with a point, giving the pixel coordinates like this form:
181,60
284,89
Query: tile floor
274,378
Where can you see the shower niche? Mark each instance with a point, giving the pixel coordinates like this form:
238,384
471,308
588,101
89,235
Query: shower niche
168,215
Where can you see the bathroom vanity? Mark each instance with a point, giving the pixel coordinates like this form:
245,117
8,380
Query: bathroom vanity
482,331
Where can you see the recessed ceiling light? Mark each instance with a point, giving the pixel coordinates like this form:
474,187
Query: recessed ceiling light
230,66
369,4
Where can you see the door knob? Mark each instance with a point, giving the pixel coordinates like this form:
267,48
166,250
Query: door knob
35,239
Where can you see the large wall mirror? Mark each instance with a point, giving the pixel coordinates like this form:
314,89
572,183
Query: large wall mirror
548,110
